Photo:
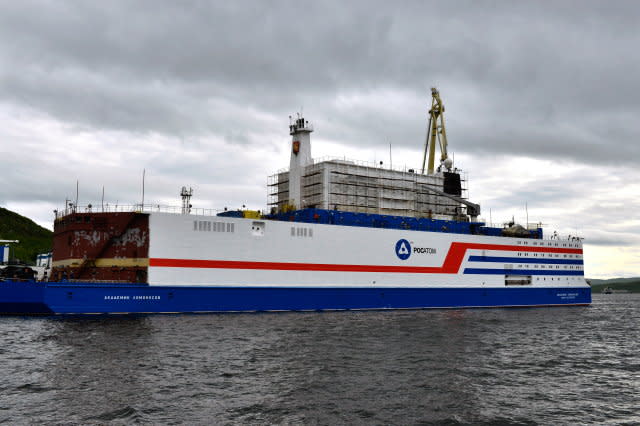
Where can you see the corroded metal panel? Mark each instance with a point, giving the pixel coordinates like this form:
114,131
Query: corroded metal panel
101,246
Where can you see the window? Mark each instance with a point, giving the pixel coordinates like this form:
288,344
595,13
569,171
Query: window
208,226
301,232
517,280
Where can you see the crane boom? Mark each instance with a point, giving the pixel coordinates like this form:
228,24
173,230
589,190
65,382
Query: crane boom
436,133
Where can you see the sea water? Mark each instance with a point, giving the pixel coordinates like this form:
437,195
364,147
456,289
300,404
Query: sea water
563,365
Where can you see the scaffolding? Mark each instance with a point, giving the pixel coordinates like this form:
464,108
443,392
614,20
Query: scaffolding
364,188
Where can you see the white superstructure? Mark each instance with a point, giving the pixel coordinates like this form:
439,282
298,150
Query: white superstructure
352,186
221,251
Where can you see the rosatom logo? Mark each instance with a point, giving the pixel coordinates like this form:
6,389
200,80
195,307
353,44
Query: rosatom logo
403,249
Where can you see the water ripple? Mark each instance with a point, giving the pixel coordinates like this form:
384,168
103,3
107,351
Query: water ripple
491,366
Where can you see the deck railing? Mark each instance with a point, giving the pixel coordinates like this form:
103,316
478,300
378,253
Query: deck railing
363,163
139,208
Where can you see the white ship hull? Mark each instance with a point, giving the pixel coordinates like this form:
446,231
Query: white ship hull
285,254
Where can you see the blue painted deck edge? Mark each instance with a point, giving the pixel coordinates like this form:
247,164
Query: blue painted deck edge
375,220
89,298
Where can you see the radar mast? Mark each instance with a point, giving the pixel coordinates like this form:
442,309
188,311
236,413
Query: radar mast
186,199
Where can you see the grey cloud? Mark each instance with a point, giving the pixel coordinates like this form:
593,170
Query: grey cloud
605,233
611,242
556,81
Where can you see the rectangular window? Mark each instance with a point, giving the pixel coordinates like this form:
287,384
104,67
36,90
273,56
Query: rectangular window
517,280
209,226
195,225
310,232
293,231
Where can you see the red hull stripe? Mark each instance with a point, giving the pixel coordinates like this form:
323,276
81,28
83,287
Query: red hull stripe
451,263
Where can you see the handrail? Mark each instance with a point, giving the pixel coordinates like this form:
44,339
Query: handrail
370,164
137,208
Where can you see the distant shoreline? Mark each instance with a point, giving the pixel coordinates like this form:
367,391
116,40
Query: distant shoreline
616,285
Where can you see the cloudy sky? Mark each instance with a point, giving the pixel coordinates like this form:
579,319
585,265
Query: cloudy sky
542,103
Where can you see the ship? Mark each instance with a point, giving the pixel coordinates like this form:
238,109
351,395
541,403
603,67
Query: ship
336,235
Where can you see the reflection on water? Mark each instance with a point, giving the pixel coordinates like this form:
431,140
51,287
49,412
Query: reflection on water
549,365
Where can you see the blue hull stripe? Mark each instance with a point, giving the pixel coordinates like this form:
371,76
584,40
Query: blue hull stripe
525,260
87,298
520,272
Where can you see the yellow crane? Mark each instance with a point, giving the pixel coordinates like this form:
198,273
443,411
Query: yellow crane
436,133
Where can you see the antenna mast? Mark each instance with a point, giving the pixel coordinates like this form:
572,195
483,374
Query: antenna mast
186,199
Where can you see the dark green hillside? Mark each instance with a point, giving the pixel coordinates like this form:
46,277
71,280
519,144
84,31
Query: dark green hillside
630,284
33,238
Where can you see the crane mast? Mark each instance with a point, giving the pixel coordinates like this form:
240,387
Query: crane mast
436,133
